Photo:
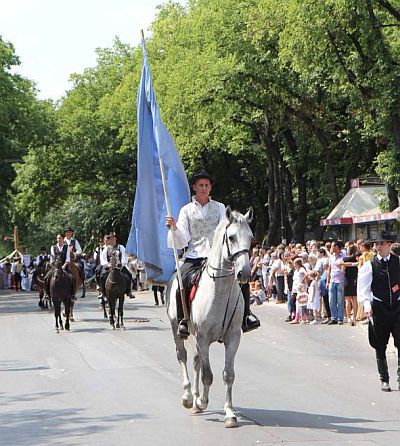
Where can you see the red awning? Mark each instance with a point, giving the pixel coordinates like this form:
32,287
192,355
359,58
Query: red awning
336,221
394,215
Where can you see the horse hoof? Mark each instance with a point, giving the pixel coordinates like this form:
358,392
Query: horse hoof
187,403
117,325
199,405
56,330
123,327
72,319
231,422
195,410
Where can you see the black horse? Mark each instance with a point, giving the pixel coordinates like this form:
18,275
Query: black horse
61,290
115,290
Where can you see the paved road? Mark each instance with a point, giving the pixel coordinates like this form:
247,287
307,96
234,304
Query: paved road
295,385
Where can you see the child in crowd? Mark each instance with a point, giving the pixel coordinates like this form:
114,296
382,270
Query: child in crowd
257,295
313,304
302,299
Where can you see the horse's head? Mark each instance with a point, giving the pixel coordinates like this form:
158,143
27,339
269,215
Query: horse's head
237,240
115,260
57,267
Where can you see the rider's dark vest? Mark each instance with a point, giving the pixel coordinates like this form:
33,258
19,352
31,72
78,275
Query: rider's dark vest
73,243
62,254
117,247
386,280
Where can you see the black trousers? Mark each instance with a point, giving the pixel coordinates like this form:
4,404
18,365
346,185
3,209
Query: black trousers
385,322
189,267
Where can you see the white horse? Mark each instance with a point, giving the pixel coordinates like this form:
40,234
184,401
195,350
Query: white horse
216,313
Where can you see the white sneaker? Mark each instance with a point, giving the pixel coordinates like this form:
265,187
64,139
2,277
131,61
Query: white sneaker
314,322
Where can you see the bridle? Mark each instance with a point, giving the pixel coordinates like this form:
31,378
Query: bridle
231,258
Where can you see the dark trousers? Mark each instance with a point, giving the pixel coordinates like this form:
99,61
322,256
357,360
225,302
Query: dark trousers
325,297
386,322
189,267
17,281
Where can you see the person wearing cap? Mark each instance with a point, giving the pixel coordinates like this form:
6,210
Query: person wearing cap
378,291
57,251
42,257
194,229
105,259
75,248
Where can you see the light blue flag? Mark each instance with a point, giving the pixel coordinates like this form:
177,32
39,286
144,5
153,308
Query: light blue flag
148,235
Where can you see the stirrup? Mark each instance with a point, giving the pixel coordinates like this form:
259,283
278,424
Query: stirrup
183,330
250,323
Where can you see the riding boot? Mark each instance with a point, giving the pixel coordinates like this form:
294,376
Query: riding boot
250,321
183,330
384,374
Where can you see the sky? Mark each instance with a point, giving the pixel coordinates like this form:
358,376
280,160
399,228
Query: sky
55,38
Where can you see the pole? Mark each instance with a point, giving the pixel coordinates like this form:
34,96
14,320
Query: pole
178,268
16,239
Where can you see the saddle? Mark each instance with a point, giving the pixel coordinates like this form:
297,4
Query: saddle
195,279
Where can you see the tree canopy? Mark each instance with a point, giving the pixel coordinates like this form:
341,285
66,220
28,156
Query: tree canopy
282,101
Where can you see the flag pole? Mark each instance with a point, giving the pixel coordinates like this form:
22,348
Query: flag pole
178,268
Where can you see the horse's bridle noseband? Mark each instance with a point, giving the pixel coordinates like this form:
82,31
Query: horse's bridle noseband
231,258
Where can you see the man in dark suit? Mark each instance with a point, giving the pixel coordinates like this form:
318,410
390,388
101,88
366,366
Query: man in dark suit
378,290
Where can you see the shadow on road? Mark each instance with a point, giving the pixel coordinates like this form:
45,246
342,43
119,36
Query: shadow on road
50,426
283,418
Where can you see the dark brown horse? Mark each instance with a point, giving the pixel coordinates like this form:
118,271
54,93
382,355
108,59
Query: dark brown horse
61,291
115,290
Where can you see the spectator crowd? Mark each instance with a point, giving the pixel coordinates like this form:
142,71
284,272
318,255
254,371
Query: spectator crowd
317,281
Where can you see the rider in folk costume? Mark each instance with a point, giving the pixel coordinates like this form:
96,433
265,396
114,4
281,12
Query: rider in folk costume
42,257
378,290
105,262
101,261
58,251
195,230
74,247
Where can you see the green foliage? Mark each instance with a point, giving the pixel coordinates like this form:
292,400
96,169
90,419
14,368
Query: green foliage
282,101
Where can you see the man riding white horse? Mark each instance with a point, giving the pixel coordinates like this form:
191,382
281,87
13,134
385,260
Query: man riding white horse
195,229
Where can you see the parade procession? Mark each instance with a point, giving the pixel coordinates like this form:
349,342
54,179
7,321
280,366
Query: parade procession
200,227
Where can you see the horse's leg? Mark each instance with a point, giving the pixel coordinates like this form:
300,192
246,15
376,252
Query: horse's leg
111,310
203,349
121,312
196,381
41,299
231,347
67,305
71,311
103,304
181,354
57,311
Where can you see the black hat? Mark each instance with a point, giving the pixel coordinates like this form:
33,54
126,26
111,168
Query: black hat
385,236
68,229
202,174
